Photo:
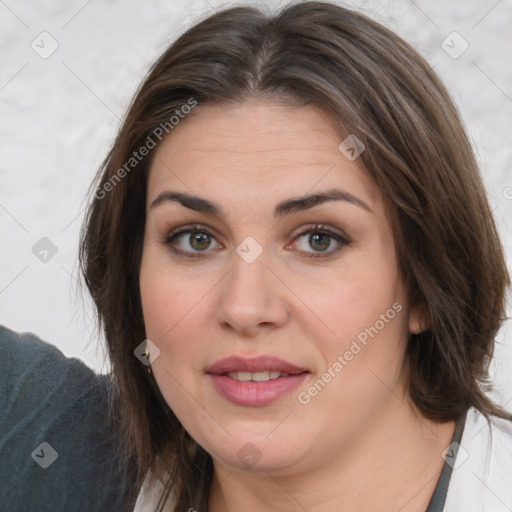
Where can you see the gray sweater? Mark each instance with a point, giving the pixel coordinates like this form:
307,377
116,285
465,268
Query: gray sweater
58,450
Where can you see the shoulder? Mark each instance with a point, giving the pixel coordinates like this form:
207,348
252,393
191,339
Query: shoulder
30,367
57,442
482,471
39,383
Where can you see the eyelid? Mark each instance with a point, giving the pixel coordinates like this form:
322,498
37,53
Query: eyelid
189,228
321,228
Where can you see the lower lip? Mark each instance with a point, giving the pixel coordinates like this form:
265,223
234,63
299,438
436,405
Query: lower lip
255,394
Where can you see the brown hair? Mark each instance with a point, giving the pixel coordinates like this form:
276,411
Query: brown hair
372,84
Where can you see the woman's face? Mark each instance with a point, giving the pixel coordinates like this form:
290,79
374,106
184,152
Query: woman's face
278,346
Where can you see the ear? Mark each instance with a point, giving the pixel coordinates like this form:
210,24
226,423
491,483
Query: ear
419,320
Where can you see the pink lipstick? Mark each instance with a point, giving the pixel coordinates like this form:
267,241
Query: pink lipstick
255,382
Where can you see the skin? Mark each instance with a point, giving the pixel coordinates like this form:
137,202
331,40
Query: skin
359,444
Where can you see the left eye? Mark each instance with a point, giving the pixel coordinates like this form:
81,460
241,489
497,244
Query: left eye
321,241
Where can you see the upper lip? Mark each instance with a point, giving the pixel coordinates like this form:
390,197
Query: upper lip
253,364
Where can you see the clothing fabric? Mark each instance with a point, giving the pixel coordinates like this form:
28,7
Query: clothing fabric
438,499
482,471
58,450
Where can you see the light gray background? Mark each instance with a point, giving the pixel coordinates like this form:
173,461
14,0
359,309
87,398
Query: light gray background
59,115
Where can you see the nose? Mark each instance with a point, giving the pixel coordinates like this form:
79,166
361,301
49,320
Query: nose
252,299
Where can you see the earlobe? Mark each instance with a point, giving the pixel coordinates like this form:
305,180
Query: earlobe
415,327
418,319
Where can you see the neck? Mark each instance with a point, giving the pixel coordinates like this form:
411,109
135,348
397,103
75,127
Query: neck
392,464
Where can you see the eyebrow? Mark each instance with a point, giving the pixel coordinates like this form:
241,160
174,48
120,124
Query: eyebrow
292,205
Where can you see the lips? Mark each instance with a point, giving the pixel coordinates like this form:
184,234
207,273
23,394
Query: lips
254,365
255,381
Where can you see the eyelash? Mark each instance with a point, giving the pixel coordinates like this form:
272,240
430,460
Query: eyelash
316,229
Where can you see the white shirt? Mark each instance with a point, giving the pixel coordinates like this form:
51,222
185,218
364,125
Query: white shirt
481,479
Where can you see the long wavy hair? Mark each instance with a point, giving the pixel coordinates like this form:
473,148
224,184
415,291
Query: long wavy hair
372,84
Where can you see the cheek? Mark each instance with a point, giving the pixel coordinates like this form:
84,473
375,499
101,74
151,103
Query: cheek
367,315
362,363
177,309
169,296
172,318
171,308
354,299
370,322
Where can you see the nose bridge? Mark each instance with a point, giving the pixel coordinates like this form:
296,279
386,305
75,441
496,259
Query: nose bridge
251,296
249,278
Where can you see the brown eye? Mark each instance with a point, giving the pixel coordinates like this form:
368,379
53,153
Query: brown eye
199,241
191,241
318,242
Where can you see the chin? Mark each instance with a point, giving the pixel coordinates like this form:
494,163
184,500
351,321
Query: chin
259,453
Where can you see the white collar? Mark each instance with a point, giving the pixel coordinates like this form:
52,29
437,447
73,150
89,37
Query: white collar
481,479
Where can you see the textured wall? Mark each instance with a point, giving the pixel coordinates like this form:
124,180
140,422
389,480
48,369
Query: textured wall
59,113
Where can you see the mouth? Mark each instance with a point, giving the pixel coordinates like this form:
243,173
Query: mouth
255,382
256,376
258,366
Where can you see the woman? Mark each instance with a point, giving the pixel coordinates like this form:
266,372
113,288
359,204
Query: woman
298,275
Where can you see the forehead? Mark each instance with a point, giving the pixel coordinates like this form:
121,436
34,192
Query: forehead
258,149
